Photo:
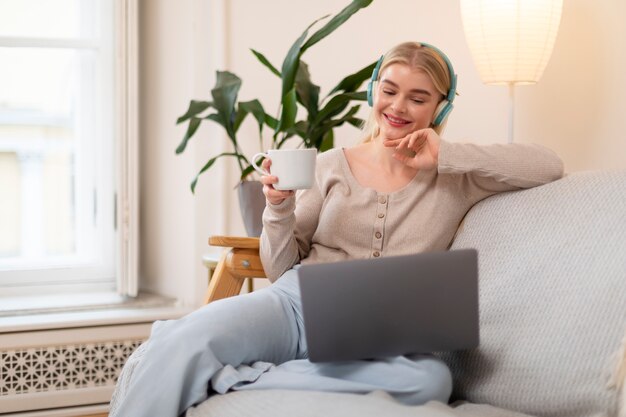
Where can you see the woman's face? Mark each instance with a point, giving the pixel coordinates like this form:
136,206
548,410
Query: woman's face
406,100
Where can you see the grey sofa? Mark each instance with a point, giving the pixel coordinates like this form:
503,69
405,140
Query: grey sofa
552,264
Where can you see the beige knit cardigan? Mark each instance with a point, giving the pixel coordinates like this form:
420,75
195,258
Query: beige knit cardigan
339,219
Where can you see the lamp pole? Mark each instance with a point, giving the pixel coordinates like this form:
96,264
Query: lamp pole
511,110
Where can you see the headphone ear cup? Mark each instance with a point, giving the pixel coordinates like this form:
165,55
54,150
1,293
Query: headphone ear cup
441,112
373,79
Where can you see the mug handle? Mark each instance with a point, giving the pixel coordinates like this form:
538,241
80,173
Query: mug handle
256,167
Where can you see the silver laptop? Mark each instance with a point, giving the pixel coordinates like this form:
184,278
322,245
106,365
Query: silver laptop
383,307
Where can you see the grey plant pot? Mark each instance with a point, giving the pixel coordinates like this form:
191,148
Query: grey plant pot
251,204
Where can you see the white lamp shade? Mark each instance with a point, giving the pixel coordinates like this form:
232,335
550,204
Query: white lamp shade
511,40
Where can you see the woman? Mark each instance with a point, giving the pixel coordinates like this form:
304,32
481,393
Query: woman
403,190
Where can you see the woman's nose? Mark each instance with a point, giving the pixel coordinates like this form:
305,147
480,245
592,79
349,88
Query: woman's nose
398,105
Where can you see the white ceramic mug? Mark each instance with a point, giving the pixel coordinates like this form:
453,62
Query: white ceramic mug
295,168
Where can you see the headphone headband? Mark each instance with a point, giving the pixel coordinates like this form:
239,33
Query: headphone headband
452,90
445,107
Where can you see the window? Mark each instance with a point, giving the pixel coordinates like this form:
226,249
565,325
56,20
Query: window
67,146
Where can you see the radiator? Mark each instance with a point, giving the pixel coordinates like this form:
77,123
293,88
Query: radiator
64,368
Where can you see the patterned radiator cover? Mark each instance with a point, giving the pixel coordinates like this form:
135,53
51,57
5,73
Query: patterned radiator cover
65,367
58,368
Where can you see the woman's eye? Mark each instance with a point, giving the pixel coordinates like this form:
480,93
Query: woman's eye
389,92
418,101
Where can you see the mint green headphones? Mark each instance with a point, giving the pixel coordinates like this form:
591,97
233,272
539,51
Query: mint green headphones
444,108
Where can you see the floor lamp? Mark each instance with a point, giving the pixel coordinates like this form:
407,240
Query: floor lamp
511,41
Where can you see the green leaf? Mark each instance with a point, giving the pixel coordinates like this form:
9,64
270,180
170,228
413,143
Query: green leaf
240,116
256,108
335,22
359,95
328,141
308,93
195,108
349,115
271,121
216,118
209,164
246,172
224,94
336,105
265,62
353,82
194,123
292,61
289,111
356,122
300,129
322,130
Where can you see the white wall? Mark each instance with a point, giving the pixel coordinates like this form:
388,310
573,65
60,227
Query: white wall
576,109
176,65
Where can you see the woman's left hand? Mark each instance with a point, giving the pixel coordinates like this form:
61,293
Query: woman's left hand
424,143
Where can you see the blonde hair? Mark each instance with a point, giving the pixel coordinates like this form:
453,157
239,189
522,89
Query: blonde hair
420,57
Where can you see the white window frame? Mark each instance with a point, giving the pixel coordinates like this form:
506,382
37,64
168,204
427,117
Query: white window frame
127,21
124,119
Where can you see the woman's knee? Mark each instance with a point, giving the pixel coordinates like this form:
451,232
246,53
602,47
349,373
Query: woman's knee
441,387
212,320
236,329
435,384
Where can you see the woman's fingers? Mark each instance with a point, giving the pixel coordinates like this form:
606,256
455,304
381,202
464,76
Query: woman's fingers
268,179
273,195
417,140
266,164
419,149
281,195
392,143
413,140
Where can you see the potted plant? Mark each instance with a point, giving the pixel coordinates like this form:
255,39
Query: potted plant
314,130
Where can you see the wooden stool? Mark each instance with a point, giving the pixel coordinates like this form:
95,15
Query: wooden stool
236,264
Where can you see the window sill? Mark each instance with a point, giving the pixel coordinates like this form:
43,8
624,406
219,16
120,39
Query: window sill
23,314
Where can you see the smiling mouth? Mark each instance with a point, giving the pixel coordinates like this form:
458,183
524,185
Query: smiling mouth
395,121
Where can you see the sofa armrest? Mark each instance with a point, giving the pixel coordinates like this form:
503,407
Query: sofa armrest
241,261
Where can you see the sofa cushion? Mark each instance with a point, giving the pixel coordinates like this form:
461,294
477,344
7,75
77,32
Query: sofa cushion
552,264
483,410
290,403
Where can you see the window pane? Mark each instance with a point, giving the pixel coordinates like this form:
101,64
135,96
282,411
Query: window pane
48,18
37,82
57,145
46,139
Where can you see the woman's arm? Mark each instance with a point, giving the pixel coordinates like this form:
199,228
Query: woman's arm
489,169
288,228
483,169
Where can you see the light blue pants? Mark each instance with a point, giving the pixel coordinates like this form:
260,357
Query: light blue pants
256,341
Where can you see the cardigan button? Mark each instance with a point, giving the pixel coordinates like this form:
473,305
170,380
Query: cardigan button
376,254
378,235
382,200
381,215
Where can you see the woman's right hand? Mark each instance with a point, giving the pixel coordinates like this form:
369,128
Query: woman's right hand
272,195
